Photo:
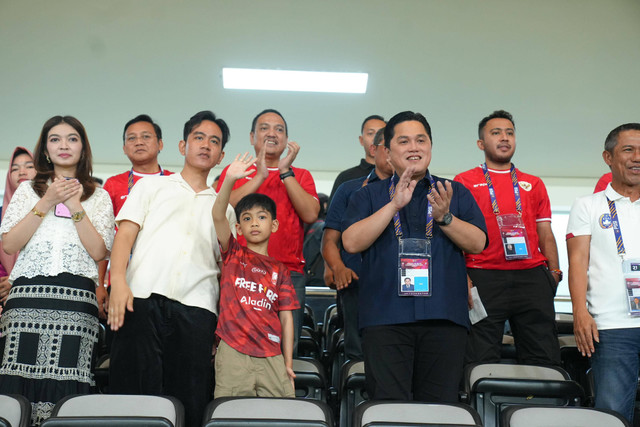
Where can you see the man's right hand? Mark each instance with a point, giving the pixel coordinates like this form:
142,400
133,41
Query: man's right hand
121,298
469,297
585,331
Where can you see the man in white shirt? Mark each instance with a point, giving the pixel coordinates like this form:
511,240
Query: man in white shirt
164,308
603,241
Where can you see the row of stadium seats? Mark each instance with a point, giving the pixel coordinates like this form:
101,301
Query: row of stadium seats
158,411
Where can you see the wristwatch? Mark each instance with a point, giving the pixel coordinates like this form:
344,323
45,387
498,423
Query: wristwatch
287,174
77,217
446,219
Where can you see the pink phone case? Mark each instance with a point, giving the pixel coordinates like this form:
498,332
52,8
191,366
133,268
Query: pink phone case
62,211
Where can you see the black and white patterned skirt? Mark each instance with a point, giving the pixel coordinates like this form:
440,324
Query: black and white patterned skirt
48,330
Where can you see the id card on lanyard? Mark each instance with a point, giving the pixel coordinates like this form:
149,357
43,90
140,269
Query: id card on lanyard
513,232
630,266
414,255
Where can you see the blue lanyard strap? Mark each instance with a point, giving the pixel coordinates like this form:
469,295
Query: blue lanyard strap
616,227
130,181
396,218
492,191
371,175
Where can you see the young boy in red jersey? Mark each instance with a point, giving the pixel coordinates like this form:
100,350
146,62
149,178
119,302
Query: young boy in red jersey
254,357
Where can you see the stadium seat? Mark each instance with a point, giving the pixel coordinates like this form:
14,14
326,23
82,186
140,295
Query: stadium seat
391,414
15,411
491,387
329,325
562,416
310,379
267,412
352,391
308,346
102,410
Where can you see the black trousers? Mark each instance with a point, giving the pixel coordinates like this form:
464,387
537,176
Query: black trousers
418,361
525,298
164,348
348,298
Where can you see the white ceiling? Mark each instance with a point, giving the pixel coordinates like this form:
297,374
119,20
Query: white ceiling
568,70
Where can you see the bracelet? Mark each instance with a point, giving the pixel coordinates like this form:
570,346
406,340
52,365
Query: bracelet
558,272
287,174
36,212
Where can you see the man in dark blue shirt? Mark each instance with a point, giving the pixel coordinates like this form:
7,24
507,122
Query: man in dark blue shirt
342,268
413,344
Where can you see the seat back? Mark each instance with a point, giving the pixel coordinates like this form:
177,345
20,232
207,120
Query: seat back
563,416
337,356
329,325
267,412
352,391
310,379
493,387
15,410
307,345
117,409
385,413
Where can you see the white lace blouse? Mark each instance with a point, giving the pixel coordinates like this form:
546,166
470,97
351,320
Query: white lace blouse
55,247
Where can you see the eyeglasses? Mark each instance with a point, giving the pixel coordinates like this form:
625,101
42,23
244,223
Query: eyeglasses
146,137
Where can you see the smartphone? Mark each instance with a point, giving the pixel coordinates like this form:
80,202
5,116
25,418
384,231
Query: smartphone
62,211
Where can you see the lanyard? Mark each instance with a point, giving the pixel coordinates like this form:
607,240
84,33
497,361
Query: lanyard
130,181
371,175
616,228
396,218
492,191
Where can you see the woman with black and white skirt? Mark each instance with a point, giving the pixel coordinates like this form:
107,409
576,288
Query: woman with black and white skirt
61,224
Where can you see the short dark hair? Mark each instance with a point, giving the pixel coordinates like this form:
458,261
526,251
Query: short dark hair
405,116
200,117
142,118
256,199
612,139
269,110
498,114
371,117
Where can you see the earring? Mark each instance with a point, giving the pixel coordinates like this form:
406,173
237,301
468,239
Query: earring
47,157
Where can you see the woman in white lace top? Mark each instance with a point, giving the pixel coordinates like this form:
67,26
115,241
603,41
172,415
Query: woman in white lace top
62,225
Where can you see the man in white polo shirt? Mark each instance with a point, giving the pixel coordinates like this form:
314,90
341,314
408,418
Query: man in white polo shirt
164,309
603,240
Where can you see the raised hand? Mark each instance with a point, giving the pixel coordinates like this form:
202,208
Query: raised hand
404,188
440,198
238,168
285,163
261,164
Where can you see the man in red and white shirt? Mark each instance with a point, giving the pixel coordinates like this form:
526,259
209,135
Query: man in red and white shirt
293,191
516,276
141,143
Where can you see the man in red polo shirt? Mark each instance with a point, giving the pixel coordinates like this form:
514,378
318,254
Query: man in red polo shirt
142,142
293,190
517,274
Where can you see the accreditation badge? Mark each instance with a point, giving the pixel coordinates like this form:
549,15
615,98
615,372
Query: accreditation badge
514,236
631,275
414,267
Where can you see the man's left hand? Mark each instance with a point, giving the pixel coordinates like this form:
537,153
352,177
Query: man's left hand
440,199
285,163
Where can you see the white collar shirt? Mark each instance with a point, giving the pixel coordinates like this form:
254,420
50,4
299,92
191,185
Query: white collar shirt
176,253
607,297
